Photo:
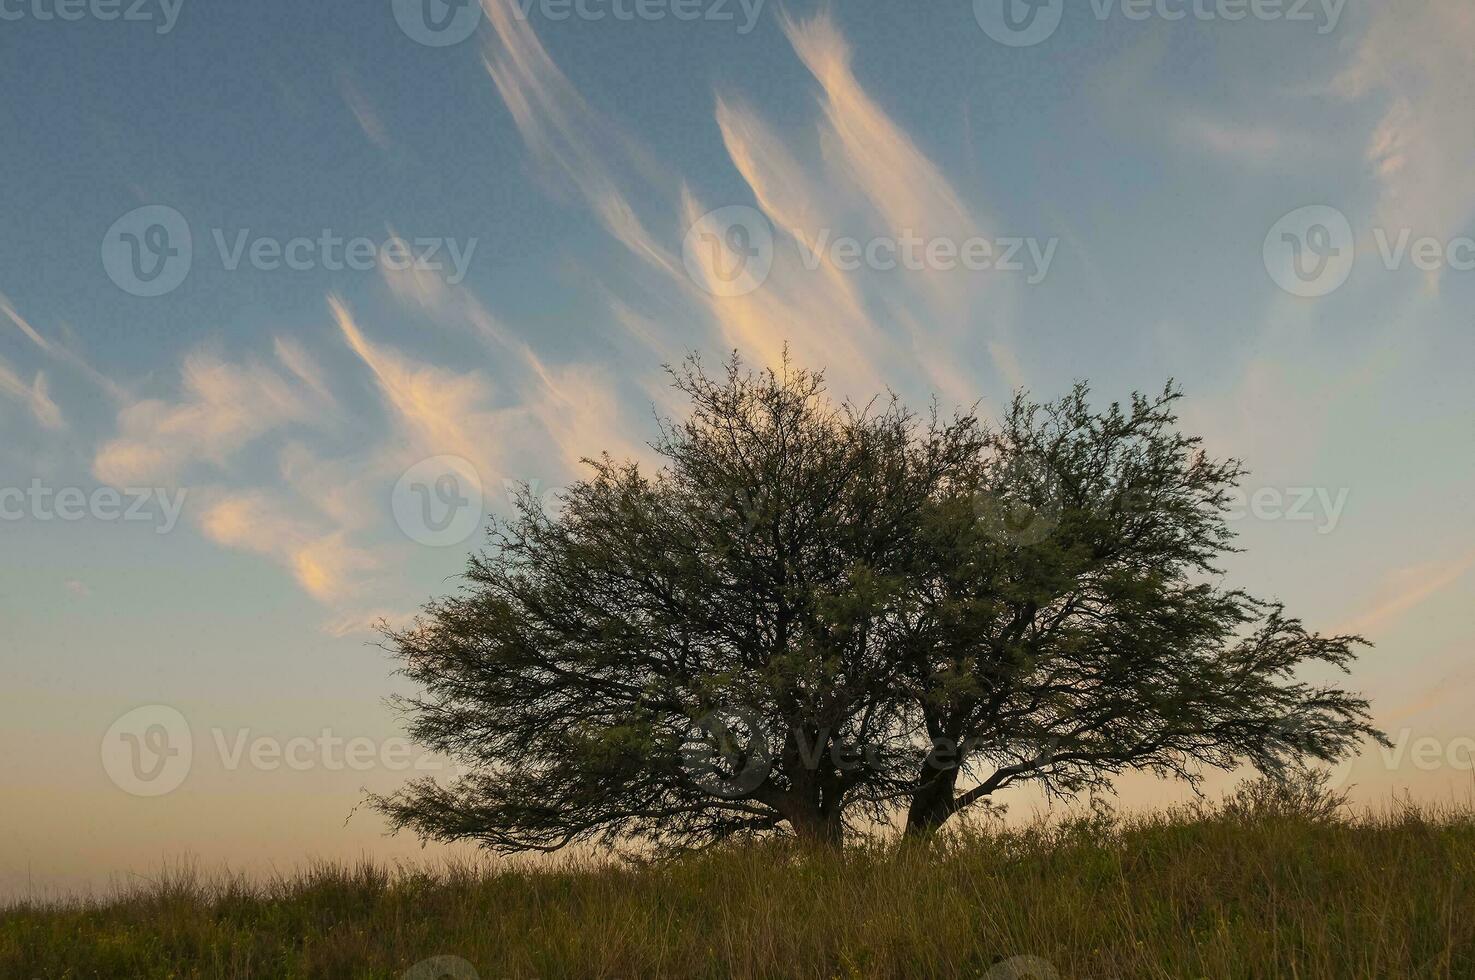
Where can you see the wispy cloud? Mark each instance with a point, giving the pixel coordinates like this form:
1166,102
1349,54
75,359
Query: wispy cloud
576,406
23,325
594,157
295,358
323,564
57,352
901,183
804,205
363,113
33,395
437,411
864,176
852,171
323,518
1253,144
1419,57
1408,588
366,623
223,408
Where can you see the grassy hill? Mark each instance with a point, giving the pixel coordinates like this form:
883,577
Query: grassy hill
1267,884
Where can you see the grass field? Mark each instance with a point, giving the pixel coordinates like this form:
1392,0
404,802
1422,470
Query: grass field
1260,886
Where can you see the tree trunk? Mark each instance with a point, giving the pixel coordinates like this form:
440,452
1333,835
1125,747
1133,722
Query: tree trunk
809,805
932,800
817,828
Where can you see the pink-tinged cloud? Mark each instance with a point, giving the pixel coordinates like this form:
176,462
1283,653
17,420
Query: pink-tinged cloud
324,564
1407,589
1418,59
223,408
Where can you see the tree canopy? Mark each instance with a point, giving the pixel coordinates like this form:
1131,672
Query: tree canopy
815,617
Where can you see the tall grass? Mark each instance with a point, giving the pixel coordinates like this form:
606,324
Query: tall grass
1267,884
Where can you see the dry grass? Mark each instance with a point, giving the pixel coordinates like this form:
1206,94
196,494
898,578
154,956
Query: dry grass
1259,887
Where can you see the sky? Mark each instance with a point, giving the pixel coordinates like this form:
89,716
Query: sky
292,294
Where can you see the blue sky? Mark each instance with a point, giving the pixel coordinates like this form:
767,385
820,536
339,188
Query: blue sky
565,161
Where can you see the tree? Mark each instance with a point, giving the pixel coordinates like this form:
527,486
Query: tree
815,616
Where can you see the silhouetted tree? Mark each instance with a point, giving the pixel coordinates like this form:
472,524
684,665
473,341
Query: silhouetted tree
816,616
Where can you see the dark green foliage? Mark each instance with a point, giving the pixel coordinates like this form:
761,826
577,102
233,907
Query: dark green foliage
814,618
